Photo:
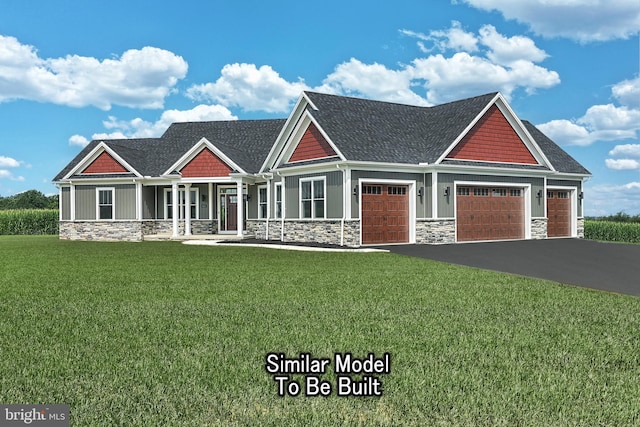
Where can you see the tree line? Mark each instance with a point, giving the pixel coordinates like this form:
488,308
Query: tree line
31,199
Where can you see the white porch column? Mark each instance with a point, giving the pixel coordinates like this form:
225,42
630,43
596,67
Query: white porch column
174,207
72,203
187,209
240,209
214,230
139,201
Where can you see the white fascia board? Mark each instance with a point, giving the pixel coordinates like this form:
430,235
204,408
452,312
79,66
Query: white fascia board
283,136
199,146
515,123
485,170
93,154
295,137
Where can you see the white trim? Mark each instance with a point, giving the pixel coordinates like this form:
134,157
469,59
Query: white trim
500,102
94,154
573,196
113,203
526,187
266,202
292,141
197,149
313,199
412,202
434,195
275,199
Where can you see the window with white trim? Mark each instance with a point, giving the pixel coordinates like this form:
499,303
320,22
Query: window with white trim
278,189
194,202
312,198
262,202
105,203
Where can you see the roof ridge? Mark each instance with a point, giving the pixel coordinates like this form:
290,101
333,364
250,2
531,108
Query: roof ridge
492,94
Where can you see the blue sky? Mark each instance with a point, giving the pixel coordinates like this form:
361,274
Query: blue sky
72,71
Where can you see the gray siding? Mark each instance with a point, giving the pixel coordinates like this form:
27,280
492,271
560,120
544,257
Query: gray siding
66,204
422,203
148,202
445,204
333,195
125,200
85,202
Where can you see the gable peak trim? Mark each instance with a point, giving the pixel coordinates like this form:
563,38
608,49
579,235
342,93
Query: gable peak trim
195,150
101,147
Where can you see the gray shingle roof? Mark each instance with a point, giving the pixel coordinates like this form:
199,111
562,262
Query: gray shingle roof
560,159
245,142
362,129
366,130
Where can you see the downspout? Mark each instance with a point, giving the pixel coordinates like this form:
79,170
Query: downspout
344,203
284,206
266,229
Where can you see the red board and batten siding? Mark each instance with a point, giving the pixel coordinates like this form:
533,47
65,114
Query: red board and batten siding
312,145
493,139
205,164
104,163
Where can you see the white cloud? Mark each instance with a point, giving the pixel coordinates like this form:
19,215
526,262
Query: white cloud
606,199
371,80
581,20
8,162
251,88
627,92
630,150
139,128
480,63
5,174
139,78
607,122
622,164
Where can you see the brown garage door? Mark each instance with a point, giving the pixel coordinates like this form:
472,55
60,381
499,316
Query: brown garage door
558,213
488,213
385,214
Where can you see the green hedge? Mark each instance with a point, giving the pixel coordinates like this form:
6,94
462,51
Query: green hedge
29,221
612,231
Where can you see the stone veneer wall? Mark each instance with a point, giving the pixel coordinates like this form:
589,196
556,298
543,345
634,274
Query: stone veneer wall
325,231
435,231
539,228
580,227
101,230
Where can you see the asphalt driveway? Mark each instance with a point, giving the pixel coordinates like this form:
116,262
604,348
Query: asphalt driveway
612,267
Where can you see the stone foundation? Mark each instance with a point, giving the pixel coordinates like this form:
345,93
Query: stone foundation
435,231
326,231
580,228
539,228
100,230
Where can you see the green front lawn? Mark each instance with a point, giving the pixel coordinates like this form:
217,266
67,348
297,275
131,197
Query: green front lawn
160,333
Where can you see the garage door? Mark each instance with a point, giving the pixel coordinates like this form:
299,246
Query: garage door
488,213
558,213
385,214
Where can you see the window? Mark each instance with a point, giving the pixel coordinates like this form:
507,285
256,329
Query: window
549,194
463,191
168,206
262,202
480,191
278,188
563,194
396,190
515,192
105,203
499,192
312,200
371,189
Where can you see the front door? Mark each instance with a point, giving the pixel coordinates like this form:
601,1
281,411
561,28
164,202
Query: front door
229,211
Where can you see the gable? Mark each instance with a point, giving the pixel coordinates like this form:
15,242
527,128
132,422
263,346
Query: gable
312,146
104,163
493,139
205,164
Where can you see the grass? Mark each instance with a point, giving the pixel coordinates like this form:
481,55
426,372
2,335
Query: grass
160,333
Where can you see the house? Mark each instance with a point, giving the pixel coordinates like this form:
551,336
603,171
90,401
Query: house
338,170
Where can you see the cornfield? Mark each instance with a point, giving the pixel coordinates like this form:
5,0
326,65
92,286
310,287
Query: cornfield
612,231
29,221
